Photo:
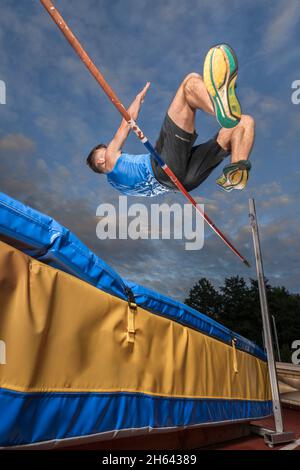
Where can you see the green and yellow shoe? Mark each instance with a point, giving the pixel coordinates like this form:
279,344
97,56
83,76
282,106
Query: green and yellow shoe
235,176
219,75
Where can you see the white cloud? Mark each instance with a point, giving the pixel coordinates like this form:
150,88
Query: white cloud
16,143
281,200
282,25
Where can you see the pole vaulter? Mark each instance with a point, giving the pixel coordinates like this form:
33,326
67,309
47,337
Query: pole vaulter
58,19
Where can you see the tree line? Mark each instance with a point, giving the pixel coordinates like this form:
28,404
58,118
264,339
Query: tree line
236,305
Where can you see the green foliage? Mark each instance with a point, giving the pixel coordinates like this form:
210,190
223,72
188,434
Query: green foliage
236,305
205,298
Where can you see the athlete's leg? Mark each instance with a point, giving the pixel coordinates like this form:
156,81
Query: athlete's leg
190,96
208,155
239,140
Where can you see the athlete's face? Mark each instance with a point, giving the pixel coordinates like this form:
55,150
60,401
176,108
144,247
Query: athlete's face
100,158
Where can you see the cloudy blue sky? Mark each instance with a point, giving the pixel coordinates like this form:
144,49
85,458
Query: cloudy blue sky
56,112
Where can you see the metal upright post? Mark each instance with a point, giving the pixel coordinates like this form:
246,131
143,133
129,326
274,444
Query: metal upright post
276,338
278,436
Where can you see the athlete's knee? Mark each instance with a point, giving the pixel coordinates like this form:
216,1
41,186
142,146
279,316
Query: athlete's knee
247,121
190,81
192,75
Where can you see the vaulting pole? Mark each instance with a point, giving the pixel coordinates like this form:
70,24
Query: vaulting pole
57,18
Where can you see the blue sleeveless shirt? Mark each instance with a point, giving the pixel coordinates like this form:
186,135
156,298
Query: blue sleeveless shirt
133,175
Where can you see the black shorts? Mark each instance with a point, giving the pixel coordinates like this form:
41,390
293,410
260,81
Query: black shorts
190,164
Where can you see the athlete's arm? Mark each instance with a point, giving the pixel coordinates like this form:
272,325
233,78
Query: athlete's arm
115,146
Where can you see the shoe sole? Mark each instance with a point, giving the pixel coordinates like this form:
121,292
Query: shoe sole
240,184
219,75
